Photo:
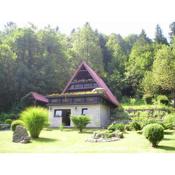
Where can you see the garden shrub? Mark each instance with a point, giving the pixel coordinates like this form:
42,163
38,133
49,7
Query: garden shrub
154,133
169,121
135,125
128,127
120,115
132,101
35,119
80,121
163,99
148,99
15,123
143,120
4,116
8,121
159,114
116,126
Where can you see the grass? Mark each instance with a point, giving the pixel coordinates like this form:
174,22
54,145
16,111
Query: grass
70,141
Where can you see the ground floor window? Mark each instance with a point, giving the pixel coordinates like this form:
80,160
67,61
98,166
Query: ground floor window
84,111
57,113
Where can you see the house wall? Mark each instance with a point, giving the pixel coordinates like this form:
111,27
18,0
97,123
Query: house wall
104,115
98,113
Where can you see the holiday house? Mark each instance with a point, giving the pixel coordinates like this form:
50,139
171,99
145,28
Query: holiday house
85,94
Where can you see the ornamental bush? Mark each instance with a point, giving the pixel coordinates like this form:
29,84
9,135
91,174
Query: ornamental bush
169,121
148,99
135,125
15,123
163,99
154,133
116,126
8,121
35,119
80,121
128,127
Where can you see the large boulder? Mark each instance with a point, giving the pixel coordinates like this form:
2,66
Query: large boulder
20,135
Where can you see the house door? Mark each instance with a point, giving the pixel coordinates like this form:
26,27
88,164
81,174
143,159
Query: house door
66,117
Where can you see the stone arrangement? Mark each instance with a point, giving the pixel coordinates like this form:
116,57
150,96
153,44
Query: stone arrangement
103,139
20,135
105,136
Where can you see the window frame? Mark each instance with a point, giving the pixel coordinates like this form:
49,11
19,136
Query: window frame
56,111
82,111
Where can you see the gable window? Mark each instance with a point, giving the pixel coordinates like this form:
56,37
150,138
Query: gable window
57,113
84,111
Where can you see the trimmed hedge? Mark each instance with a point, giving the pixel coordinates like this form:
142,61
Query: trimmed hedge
8,121
154,133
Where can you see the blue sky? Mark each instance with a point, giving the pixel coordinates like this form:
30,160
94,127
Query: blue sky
108,16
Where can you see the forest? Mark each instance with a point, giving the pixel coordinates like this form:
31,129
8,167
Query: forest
43,60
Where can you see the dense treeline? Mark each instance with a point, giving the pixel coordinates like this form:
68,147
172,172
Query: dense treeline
42,60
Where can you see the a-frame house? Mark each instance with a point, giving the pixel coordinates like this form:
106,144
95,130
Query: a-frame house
85,94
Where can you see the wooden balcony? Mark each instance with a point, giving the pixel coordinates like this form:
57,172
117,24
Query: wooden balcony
82,86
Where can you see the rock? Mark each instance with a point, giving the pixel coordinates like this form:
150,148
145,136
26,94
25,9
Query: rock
26,140
20,135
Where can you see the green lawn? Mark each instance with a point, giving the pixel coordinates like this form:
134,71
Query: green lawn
70,141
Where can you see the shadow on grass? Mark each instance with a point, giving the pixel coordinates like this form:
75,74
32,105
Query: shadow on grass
167,139
167,148
46,140
168,132
88,132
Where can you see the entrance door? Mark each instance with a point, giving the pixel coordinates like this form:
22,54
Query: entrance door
66,117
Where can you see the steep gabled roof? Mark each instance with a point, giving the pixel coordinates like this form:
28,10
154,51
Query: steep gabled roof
97,79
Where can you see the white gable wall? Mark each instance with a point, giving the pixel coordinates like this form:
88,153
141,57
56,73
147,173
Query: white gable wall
98,113
104,115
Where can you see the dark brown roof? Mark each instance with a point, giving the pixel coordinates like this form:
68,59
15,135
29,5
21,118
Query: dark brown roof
97,79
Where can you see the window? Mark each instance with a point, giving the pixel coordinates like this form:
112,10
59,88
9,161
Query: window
58,113
84,111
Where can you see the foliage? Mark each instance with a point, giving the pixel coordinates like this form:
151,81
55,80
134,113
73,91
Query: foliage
120,115
128,127
35,118
8,121
163,99
159,38
135,125
164,69
16,123
4,116
116,126
154,133
148,99
169,121
85,44
80,121
42,60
